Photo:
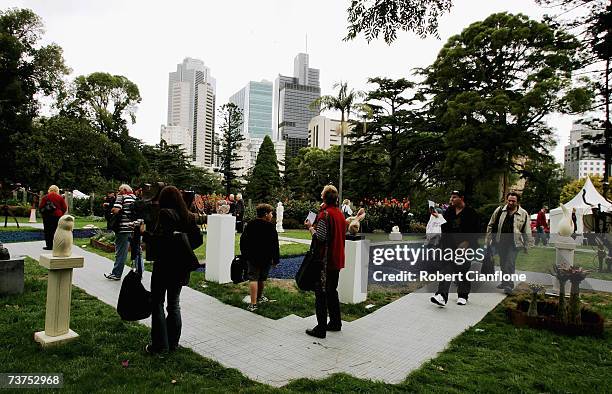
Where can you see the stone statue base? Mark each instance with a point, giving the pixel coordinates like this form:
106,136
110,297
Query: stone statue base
47,341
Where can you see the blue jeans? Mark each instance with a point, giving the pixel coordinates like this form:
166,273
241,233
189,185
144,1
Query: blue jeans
507,261
165,331
122,240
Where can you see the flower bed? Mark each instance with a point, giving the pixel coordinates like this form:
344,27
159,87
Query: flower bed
106,247
592,322
27,236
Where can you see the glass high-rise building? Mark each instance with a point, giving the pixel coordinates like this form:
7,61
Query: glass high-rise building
255,101
292,99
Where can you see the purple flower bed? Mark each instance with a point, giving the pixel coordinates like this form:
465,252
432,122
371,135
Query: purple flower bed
27,236
286,269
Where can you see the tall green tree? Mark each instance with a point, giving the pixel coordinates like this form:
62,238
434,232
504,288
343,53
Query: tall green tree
27,70
395,133
231,140
491,87
591,21
388,16
265,178
345,102
544,180
108,102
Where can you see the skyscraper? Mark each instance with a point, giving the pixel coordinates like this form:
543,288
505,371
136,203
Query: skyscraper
255,102
191,105
292,99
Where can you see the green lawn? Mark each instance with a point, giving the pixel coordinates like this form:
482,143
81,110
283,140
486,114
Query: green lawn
79,222
542,259
493,356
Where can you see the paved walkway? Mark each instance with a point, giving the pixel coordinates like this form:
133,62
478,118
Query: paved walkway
385,345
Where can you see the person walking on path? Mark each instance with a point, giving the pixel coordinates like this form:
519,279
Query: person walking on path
169,275
508,230
259,246
52,207
124,205
459,232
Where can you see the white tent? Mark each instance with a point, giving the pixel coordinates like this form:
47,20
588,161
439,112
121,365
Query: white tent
78,194
587,195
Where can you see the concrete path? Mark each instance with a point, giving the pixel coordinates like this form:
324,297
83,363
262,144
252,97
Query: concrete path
27,225
386,345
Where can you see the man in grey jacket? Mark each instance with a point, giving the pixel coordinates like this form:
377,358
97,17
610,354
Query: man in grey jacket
509,230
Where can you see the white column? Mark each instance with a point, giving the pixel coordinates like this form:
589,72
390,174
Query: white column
565,248
220,242
353,282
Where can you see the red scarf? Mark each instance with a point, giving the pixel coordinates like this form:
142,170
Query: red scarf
337,231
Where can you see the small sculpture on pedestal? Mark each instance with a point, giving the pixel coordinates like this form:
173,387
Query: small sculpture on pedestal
395,234
280,211
4,253
223,207
354,224
62,240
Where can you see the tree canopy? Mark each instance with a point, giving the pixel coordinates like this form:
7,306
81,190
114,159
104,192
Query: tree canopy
265,178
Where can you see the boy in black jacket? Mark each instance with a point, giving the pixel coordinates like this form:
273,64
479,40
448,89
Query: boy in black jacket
259,246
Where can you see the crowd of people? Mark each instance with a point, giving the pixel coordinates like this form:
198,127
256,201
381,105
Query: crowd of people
508,231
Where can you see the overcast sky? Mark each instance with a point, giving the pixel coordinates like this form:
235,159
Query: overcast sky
240,40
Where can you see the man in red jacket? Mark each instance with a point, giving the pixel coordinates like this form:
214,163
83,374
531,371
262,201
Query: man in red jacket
328,229
52,207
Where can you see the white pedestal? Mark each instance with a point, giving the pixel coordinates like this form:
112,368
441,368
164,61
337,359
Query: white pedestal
32,216
395,236
565,247
59,296
353,282
220,247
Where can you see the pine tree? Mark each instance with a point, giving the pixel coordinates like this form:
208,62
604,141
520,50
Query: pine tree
231,140
265,177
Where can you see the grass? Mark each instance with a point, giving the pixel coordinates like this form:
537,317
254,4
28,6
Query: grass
540,259
79,222
492,356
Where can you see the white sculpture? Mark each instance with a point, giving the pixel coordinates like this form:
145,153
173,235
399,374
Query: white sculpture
62,240
223,207
395,234
280,210
353,221
566,226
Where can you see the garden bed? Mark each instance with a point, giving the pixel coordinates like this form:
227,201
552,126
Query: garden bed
592,322
106,247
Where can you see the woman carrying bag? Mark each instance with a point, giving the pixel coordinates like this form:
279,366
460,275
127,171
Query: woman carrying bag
171,268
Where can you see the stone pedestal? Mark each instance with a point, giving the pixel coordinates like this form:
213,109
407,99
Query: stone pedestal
59,295
353,281
32,216
220,247
11,276
565,248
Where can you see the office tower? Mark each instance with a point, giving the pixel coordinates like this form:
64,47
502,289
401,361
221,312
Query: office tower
292,99
255,102
177,135
323,133
578,160
191,105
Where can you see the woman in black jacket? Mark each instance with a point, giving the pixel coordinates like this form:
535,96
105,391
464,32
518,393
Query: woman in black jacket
169,274
259,246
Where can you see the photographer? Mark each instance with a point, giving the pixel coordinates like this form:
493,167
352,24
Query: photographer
123,206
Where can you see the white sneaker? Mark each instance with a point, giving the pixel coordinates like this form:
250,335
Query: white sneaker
461,301
438,300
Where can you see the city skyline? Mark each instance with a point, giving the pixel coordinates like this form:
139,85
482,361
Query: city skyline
259,43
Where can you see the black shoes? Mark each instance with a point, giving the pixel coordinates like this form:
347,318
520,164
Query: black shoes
334,327
46,248
316,332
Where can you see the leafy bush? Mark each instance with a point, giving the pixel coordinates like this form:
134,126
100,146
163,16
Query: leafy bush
82,206
416,227
298,210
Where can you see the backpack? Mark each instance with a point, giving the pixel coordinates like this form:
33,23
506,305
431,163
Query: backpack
48,208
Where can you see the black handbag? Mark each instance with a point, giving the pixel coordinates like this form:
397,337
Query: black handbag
184,252
114,222
488,265
134,301
238,270
313,264
48,208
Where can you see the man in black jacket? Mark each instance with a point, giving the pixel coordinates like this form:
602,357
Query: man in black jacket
459,233
259,246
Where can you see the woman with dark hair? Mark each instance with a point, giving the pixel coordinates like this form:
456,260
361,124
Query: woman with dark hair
169,275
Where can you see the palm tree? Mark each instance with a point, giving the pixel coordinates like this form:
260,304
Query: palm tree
345,102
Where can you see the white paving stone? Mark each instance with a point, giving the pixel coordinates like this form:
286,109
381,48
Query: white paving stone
385,345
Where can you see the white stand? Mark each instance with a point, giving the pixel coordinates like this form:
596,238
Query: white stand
565,247
32,216
59,296
220,242
395,236
353,282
